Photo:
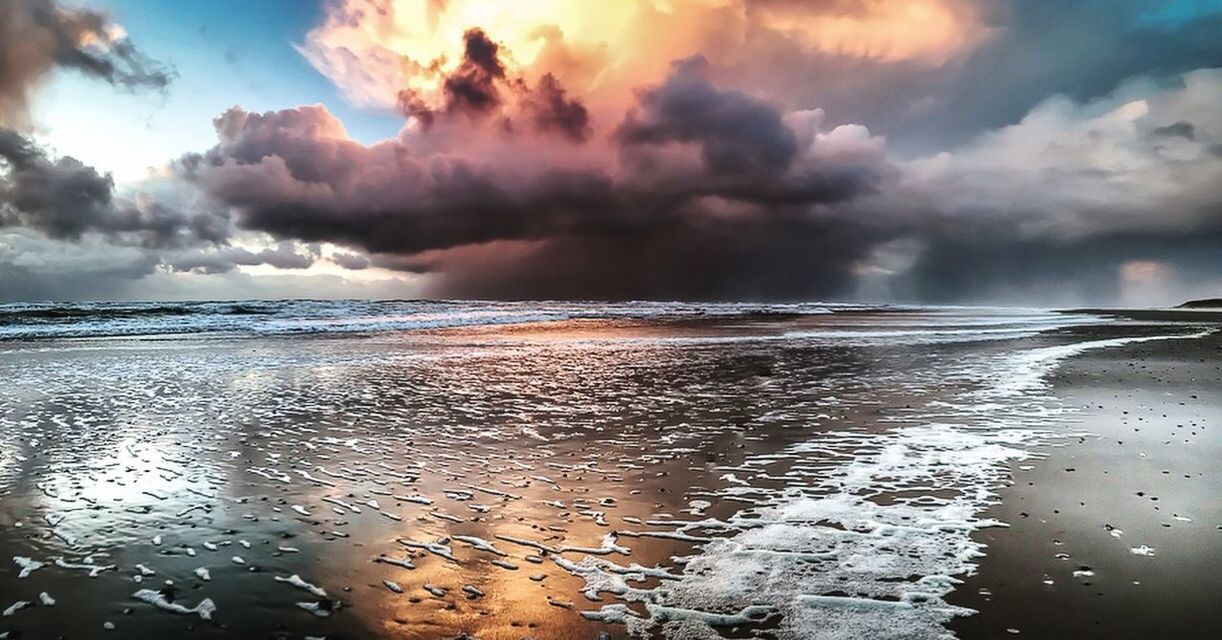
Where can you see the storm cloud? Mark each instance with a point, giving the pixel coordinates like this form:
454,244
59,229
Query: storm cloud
64,199
698,189
934,150
480,87
738,134
711,187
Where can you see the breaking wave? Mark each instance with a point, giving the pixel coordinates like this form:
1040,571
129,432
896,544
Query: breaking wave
35,321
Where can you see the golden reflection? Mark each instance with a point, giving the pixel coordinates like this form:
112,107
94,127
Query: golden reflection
254,460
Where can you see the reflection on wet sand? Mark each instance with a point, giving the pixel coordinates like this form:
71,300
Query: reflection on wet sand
558,480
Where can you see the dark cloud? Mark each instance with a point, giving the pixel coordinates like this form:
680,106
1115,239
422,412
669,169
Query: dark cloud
37,36
746,151
471,89
1179,129
737,133
480,87
20,282
33,267
225,259
413,106
64,199
551,109
61,198
1079,203
350,261
711,187
294,174
781,258
120,63
67,232
1036,271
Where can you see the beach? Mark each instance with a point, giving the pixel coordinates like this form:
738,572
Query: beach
542,470
1130,507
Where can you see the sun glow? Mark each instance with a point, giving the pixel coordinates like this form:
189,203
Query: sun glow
373,49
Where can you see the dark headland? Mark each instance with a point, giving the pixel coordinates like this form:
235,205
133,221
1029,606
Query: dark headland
1208,303
1204,310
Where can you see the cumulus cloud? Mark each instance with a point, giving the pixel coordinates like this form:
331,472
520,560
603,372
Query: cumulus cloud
738,134
550,109
471,89
1061,200
61,197
699,189
1025,53
1133,162
694,179
480,88
65,199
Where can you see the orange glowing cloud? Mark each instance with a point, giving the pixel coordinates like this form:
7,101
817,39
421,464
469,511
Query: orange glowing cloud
374,49
889,30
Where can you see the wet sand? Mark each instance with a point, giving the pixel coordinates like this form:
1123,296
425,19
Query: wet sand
1137,503
780,472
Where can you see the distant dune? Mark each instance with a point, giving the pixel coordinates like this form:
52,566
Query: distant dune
1209,303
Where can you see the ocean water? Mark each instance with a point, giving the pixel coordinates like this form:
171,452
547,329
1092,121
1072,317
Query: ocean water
512,470
294,317
252,318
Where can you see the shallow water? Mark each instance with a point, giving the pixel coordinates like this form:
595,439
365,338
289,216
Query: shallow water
795,474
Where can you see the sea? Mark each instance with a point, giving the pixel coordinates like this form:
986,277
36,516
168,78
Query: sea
496,470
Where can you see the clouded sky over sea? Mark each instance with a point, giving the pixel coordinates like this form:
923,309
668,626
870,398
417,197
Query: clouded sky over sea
989,151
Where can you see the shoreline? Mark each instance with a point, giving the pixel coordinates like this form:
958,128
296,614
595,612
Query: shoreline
1121,521
558,434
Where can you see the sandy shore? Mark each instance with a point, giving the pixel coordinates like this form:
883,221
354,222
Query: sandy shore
771,476
1117,534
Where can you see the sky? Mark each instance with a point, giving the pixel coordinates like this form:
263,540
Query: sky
1023,152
